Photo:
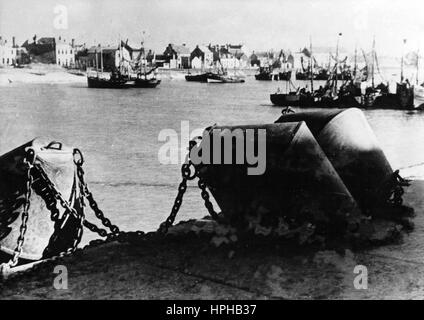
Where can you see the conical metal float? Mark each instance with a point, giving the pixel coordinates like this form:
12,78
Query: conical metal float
352,147
299,182
58,163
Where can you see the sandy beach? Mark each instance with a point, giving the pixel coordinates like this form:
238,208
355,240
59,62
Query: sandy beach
38,73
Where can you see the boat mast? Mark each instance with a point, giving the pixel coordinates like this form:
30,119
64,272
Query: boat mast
97,63
401,63
144,57
120,54
373,62
312,63
337,60
418,62
101,59
355,66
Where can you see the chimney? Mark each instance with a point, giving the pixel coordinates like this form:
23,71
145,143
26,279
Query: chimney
13,42
184,44
72,43
60,38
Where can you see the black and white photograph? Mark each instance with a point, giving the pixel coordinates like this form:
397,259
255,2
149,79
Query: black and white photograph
219,150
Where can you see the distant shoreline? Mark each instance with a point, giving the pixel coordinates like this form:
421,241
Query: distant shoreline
38,73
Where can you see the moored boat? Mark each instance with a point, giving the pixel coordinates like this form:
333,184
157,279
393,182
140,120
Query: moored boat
419,96
292,99
146,83
265,74
114,81
202,77
221,78
106,78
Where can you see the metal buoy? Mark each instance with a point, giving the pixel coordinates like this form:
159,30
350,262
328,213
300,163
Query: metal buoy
352,147
57,162
299,182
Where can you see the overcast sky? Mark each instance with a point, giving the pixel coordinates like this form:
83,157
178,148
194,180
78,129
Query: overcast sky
259,24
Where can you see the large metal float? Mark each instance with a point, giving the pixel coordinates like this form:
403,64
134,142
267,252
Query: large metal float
298,185
352,147
57,162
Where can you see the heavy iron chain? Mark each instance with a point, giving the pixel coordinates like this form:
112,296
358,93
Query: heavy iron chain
396,188
188,172
115,233
87,194
28,161
51,196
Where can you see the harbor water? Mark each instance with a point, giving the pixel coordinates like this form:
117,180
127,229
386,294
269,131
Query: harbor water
118,130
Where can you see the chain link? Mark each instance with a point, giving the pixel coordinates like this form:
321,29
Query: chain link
206,198
28,162
188,172
85,191
50,194
396,188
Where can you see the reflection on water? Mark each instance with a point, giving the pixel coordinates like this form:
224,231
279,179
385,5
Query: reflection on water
118,132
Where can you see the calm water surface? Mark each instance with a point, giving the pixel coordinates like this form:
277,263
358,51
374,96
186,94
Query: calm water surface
117,130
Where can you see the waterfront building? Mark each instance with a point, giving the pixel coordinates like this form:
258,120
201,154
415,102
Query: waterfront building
65,53
41,50
177,56
254,60
9,52
201,56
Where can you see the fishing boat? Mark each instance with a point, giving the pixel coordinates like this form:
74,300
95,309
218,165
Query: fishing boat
328,96
380,97
201,77
144,78
265,74
106,80
146,83
284,76
223,78
322,74
292,99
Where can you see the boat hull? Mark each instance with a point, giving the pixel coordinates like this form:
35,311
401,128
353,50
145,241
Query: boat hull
263,76
216,78
146,83
197,77
307,101
106,84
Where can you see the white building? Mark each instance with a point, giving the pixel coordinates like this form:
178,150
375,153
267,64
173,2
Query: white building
8,52
201,56
65,53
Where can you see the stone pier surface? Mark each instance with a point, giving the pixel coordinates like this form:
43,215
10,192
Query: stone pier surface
187,267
